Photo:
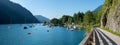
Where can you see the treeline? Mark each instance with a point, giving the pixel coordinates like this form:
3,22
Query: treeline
88,18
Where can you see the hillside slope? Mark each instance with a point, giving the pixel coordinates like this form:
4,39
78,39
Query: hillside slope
12,13
41,18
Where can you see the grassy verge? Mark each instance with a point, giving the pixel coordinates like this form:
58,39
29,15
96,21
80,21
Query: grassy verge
111,31
88,28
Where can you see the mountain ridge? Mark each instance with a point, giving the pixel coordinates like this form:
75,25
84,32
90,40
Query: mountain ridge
41,18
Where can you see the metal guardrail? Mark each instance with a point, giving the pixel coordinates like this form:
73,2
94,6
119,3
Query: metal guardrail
88,39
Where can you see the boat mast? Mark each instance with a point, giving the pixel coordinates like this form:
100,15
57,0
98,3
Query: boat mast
25,19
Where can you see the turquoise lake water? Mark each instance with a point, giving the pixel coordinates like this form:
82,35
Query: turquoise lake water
39,35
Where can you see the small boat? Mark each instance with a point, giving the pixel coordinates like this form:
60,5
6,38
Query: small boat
30,26
50,26
71,29
28,33
69,26
25,27
33,25
74,27
48,31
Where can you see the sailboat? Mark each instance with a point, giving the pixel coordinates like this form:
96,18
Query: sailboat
28,33
9,26
71,27
32,25
25,27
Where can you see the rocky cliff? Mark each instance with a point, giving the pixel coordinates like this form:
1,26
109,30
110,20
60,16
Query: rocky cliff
111,16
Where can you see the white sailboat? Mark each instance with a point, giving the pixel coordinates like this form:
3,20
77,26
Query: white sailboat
25,27
74,27
71,27
9,26
32,25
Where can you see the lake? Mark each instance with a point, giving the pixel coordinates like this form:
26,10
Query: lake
15,34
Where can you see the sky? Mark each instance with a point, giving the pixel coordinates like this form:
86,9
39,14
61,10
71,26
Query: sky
58,8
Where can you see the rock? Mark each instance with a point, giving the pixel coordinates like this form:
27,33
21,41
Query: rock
113,18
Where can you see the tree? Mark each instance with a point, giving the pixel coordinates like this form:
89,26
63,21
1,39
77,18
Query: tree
56,21
44,22
70,20
78,17
64,18
88,17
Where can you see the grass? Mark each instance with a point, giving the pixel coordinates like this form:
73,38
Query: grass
111,31
88,29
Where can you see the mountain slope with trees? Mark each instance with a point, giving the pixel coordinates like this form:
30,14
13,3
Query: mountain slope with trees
13,13
41,18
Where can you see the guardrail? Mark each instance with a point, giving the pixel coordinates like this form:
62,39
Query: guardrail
88,39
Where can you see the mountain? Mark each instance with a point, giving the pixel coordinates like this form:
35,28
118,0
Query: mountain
42,18
13,13
97,9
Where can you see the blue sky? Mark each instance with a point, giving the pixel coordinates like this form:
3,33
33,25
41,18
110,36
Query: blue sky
58,8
